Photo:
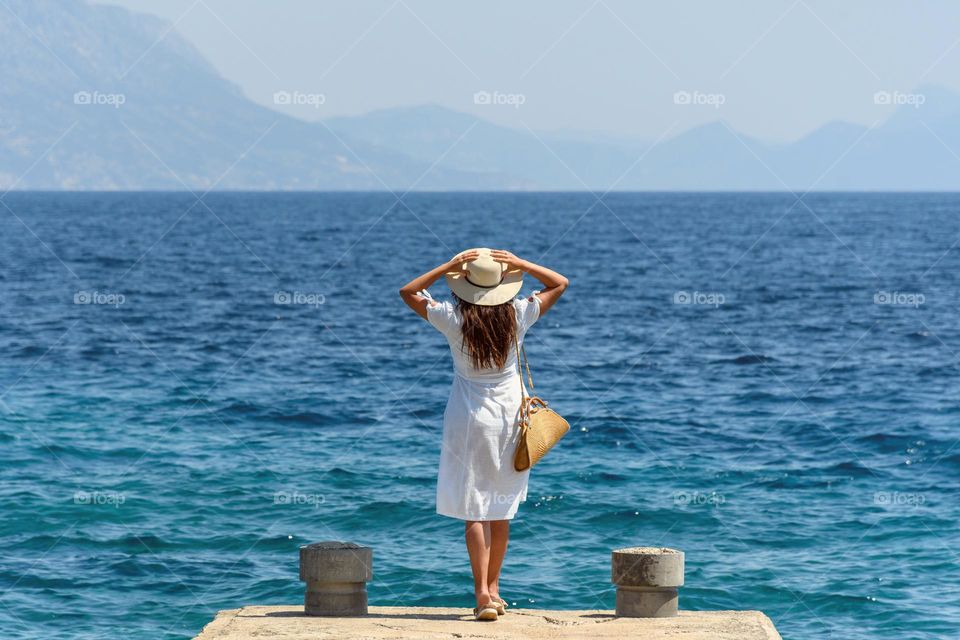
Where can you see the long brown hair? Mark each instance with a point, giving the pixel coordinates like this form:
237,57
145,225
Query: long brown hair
488,332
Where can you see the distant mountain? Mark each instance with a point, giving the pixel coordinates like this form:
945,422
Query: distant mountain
913,150
98,97
534,160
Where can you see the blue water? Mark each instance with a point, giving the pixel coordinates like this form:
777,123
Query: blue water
166,449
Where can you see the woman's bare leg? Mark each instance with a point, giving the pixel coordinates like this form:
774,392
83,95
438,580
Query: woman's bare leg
478,546
499,537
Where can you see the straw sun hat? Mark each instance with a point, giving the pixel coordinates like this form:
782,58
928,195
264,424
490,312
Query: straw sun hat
485,281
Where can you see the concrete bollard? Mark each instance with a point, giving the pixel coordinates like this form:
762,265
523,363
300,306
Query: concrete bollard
336,574
647,579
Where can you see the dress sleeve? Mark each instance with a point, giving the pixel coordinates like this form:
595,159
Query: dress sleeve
441,315
528,311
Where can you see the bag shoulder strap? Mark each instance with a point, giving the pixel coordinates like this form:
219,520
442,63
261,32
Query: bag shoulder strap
524,398
522,356
526,363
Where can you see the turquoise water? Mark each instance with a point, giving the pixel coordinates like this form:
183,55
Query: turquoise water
790,421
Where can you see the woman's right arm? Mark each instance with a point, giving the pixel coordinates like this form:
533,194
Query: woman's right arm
410,292
554,284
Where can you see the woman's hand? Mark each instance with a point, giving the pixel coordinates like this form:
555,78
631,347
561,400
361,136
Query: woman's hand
505,257
554,284
461,258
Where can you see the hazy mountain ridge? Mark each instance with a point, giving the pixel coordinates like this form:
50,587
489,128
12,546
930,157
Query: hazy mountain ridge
128,109
133,105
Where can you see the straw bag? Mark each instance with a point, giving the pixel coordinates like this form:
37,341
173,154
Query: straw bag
540,427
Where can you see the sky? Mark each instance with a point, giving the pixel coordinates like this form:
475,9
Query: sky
773,69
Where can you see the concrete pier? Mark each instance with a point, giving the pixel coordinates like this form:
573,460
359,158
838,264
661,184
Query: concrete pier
429,623
335,606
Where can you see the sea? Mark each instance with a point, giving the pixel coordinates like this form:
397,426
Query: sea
192,386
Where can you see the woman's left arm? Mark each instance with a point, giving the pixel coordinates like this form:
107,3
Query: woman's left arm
410,292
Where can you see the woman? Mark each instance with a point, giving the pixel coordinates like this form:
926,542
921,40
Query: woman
477,482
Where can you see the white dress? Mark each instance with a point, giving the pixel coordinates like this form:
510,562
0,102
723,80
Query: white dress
477,480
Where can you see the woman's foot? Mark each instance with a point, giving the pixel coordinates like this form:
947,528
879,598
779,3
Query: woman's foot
499,603
486,612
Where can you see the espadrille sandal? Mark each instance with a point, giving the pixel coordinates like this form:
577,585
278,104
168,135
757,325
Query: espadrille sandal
485,612
500,604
